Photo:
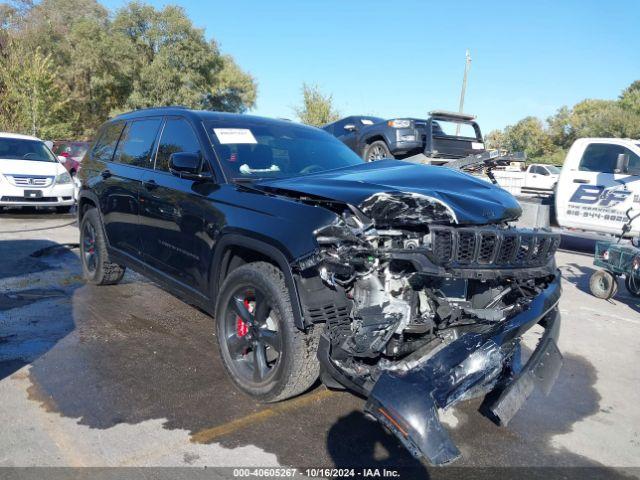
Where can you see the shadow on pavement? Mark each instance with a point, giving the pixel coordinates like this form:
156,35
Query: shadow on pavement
35,313
138,354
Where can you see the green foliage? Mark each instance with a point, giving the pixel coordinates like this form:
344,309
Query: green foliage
108,63
548,143
317,108
32,102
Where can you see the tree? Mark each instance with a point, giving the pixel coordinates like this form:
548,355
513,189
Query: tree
601,118
495,140
529,136
175,65
234,90
31,100
317,108
560,129
588,118
630,98
106,64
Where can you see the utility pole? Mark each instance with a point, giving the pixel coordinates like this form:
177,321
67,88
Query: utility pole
467,65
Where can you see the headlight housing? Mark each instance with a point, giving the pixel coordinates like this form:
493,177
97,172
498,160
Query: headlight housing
407,208
63,178
399,123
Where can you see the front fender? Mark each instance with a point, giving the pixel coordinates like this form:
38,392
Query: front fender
275,253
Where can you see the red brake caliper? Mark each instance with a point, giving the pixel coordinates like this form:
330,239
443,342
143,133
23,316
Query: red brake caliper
241,326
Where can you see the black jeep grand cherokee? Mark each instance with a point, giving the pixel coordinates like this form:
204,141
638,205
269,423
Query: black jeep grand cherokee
401,282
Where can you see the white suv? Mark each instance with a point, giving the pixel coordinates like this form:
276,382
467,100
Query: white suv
31,175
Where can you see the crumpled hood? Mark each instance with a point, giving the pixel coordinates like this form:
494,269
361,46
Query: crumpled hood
30,167
473,200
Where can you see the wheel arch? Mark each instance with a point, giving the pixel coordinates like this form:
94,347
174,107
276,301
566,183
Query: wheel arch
233,250
374,138
86,200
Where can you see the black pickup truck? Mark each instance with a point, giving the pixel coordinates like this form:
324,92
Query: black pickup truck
441,137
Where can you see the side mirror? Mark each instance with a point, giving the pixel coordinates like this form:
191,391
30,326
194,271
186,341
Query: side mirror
622,163
62,159
187,165
350,127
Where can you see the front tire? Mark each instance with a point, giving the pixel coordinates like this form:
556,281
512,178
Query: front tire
633,285
263,352
96,267
377,150
603,284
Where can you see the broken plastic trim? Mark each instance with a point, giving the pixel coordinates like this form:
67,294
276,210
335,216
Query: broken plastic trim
412,398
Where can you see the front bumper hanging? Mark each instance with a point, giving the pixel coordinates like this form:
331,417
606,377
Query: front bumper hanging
407,402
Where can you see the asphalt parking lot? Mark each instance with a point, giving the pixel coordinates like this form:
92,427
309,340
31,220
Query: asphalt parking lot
128,375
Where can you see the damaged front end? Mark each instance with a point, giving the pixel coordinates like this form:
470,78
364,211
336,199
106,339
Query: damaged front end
421,312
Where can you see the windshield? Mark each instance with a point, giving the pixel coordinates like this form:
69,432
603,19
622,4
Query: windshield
251,150
553,170
22,149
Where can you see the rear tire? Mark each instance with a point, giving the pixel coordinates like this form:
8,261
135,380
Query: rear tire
377,150
289,367
96,266
603,284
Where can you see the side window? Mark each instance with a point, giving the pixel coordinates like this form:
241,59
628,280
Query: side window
543,171
177,136
601,157
137,142
634,162
107,141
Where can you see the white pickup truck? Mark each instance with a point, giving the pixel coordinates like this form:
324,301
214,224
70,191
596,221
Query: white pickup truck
598,184
538,178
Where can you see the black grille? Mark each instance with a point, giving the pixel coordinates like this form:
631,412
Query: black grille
442,244
488,243
28,199
489,246
465,252
507,249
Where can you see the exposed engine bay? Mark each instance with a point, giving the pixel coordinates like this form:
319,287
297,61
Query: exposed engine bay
402,281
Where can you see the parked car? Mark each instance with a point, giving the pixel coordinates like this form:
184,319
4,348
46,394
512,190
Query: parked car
31,175
537,178
443,136
72,152
401,282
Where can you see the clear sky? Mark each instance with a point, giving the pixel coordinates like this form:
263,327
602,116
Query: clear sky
404,58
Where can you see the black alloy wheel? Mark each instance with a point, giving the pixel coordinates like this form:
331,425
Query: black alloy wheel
252,337
89,252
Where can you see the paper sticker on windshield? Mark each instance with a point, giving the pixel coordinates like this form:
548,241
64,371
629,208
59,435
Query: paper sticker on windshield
477,146
366,121
234,135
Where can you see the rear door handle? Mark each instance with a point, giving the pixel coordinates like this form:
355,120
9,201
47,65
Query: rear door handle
150,184
105,173
580,180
